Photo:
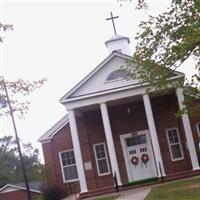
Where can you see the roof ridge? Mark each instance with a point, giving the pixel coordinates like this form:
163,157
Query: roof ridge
48,135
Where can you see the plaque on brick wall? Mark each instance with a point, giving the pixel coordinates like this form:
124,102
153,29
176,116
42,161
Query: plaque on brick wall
88,165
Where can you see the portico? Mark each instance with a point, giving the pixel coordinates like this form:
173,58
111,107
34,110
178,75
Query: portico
157,162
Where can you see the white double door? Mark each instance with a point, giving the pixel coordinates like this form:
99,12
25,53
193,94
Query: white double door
138,155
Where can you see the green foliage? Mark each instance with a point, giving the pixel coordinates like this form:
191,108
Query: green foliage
16,88
179,190
53,193
140,4
39,198
164,43
10,167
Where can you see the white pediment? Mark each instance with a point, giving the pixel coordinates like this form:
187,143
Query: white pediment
100,80
106,77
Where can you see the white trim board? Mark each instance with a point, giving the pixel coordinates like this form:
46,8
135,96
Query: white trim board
69,96
16,187
46,137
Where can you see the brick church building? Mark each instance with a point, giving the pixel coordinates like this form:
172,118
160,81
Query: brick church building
113,126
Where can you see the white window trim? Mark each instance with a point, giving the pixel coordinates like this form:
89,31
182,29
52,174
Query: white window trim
176,159
94,145
198,129
62,168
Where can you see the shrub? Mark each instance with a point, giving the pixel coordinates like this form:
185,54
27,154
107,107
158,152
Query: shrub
52,193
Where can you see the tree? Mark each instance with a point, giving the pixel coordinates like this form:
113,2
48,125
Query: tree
164,43
5,27
10,168
16,90
9,105
140,4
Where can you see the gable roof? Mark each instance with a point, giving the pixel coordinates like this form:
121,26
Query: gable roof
94,71
69,95
47,136
35,186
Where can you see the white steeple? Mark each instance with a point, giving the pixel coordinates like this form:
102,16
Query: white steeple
117,42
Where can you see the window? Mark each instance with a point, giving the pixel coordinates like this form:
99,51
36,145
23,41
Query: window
136,140
101,159
68,165
116,75
174,143
198,128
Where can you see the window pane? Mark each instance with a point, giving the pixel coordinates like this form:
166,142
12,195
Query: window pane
103,167
64,162
101,159
141,139
72,157
136,140
68,158
118,74
174,144
63,155
176,151
173,136
100,151
130,142
70,173
69,165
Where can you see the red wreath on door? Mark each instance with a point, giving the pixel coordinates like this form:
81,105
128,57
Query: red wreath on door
145,158
134,160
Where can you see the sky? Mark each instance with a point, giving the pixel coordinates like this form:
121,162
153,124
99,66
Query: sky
61,40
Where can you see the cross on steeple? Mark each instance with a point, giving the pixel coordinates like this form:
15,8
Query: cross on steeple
112,18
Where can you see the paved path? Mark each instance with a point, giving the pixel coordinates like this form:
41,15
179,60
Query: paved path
136,194
132,194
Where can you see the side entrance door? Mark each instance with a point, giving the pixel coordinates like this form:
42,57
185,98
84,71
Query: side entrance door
138,155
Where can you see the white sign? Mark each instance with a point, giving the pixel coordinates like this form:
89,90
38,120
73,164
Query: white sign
88,165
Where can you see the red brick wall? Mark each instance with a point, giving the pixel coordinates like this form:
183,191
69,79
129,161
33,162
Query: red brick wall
91,131
194,119
61,141
164,109
17,195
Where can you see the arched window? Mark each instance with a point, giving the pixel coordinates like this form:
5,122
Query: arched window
116,75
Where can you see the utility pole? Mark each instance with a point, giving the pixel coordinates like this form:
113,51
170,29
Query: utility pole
17,139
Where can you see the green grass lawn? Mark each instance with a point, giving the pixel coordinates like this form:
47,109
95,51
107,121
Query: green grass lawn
180,190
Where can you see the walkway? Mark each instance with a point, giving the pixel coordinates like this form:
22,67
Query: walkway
134,194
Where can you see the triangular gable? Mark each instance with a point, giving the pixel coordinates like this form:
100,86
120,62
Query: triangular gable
96,81
79,86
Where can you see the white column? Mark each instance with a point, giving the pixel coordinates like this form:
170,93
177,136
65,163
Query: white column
77,151
154,136
110,142
188,131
